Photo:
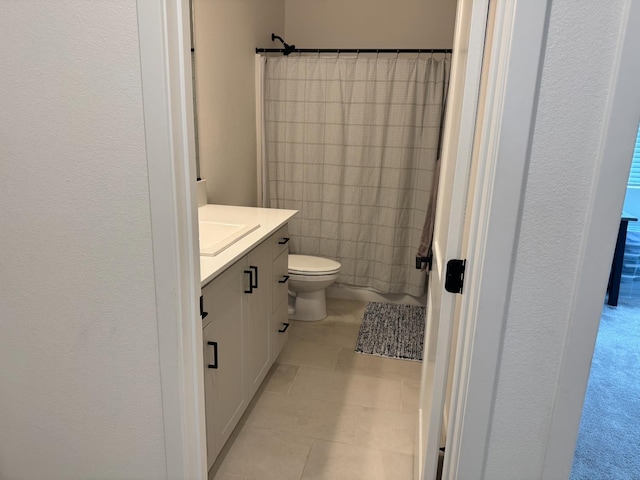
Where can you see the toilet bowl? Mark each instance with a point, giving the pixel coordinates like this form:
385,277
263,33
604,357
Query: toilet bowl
309,276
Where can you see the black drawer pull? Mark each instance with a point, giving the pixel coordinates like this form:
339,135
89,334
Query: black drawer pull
286,325
255,269
251,287
284,240
215,354
284,279
203,314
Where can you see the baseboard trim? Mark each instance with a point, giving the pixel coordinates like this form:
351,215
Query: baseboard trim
354,293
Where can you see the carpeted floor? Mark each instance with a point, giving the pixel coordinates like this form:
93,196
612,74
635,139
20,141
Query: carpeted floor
608,444
392,330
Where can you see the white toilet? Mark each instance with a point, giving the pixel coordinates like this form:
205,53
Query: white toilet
308,278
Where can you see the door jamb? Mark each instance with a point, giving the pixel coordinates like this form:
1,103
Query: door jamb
457,148
507,124
165,63
504,151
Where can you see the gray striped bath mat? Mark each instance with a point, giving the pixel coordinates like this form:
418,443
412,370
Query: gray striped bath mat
392,330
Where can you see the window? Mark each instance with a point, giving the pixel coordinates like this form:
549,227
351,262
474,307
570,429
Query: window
634,174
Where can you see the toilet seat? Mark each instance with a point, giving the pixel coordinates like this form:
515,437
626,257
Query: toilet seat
308,265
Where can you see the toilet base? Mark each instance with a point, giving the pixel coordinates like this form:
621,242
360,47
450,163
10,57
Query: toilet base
310,306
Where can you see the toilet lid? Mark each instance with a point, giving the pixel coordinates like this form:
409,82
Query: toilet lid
310,265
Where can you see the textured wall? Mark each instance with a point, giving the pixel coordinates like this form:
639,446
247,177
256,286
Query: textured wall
569,121
227,33
370,23
79,375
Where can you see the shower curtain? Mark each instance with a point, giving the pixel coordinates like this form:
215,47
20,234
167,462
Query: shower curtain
351,142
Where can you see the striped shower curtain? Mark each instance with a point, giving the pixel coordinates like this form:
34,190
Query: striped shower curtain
351,143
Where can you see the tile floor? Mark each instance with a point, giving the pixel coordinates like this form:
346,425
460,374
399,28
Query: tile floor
325,412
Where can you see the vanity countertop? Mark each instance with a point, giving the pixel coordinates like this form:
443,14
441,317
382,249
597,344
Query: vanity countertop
269,219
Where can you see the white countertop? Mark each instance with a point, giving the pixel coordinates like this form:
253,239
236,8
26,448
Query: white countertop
270,219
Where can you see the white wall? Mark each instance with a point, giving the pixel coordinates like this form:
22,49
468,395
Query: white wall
79,371
227,33
370,23
569,121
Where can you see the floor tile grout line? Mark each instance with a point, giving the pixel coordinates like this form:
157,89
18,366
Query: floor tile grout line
347,373
397,408
293,381
306,461
363,447
364,409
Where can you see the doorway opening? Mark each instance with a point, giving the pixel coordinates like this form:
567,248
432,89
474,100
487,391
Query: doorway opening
227,153
608,439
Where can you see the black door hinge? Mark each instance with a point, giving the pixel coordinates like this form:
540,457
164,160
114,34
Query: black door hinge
454,278
428,260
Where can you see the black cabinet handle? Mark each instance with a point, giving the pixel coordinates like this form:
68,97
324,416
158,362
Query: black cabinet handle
286,325
251,287
284,240
203,314
284,279
215,354
255,269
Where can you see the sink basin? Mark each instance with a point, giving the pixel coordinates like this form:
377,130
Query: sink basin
216,236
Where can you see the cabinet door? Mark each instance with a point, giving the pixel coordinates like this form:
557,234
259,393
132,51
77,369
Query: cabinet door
258,302
225,395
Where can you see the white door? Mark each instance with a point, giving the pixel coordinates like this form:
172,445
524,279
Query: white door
448,232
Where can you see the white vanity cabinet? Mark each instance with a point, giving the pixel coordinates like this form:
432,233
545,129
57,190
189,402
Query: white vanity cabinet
243,333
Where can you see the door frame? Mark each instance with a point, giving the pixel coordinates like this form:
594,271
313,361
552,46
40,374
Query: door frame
517,54
506,130
504,133
165,59
457,148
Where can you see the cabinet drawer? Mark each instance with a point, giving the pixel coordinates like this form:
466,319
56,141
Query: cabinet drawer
280,280
280,241
279,322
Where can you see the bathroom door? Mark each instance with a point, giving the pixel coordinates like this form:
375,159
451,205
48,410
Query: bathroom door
453,190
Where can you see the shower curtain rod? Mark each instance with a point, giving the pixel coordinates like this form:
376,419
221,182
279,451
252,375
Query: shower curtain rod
353,50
